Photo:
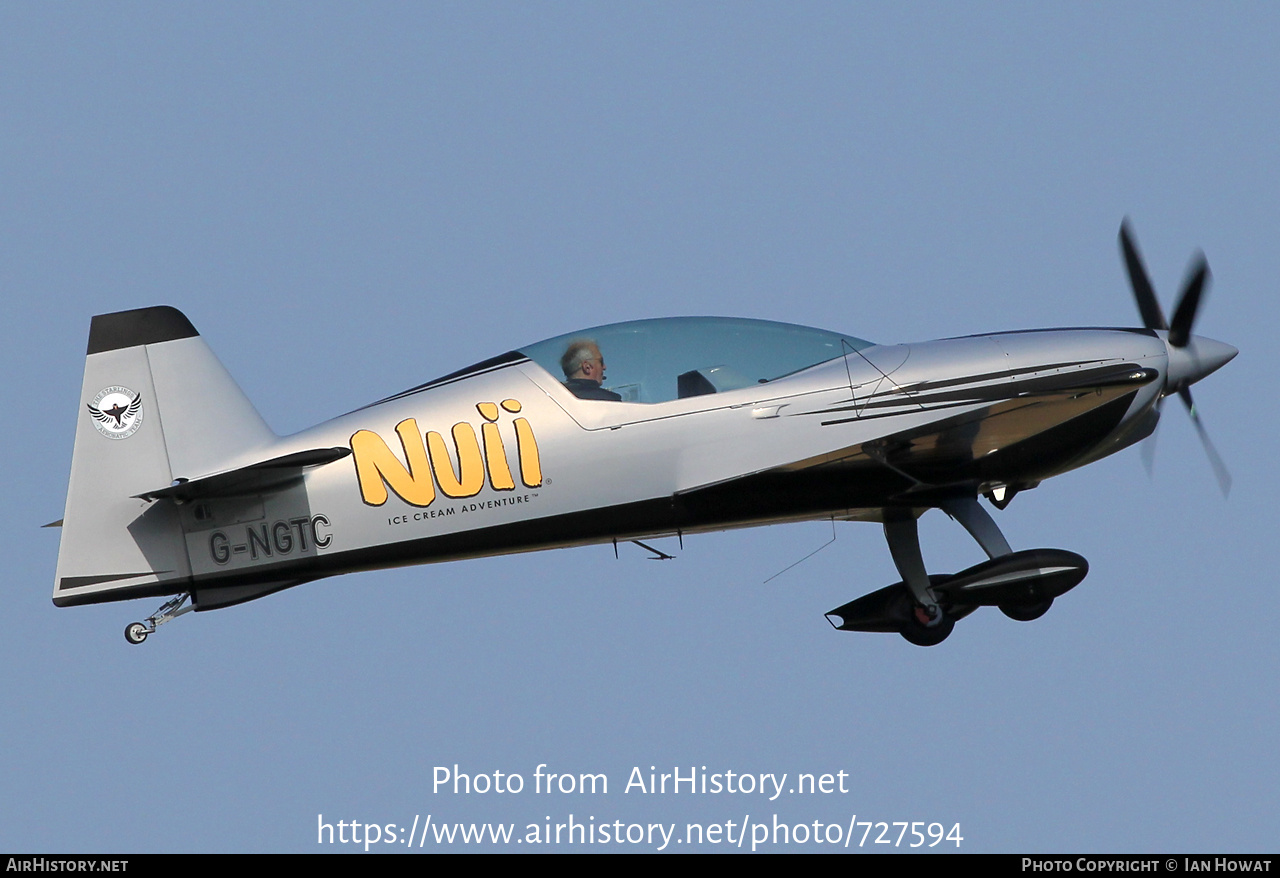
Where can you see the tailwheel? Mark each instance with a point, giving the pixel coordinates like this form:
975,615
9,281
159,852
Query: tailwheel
917,630
1026,612
136,632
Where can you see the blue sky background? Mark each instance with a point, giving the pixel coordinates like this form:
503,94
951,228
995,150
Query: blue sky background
348,200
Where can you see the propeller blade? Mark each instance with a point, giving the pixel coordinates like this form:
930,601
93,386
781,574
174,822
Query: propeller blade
1143,292
1148,447
1185,314
1215,460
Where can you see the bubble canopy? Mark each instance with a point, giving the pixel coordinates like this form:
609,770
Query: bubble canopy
657,360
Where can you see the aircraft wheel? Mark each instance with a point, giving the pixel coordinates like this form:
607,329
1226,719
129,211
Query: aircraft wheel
1026,612
135,632
920,635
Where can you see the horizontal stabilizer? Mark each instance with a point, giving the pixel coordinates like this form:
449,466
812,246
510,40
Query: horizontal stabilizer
249,479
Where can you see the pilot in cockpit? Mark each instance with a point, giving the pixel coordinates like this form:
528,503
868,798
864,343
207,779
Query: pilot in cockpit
583,367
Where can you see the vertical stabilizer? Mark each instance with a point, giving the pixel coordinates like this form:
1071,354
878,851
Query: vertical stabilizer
155,406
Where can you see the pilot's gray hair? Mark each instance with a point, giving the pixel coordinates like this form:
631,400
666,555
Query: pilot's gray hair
578,352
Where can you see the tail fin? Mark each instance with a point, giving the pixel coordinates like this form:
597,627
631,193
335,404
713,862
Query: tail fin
156,405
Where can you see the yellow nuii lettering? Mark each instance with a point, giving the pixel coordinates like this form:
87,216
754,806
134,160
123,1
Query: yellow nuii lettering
428,465
495,455
470,476
530,463
377,467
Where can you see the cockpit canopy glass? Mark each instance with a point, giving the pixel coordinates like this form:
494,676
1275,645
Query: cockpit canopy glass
677,357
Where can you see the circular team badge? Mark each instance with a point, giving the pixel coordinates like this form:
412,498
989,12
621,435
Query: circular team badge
117,412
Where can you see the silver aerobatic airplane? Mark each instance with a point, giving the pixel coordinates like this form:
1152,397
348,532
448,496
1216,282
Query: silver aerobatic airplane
179,489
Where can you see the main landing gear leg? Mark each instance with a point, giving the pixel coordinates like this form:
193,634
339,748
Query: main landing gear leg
903,536
980,525
136,632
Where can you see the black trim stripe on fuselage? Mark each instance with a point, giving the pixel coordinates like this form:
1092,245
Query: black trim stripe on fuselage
511,358
895,400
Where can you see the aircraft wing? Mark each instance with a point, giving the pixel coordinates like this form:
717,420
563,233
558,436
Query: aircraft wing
1028,425
1019,432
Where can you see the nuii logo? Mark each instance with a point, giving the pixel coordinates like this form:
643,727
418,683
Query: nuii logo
117,412
428,464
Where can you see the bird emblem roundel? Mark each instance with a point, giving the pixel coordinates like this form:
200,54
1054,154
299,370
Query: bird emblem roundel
117,412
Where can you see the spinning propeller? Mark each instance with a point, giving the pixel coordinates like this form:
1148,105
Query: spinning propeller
1191,357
